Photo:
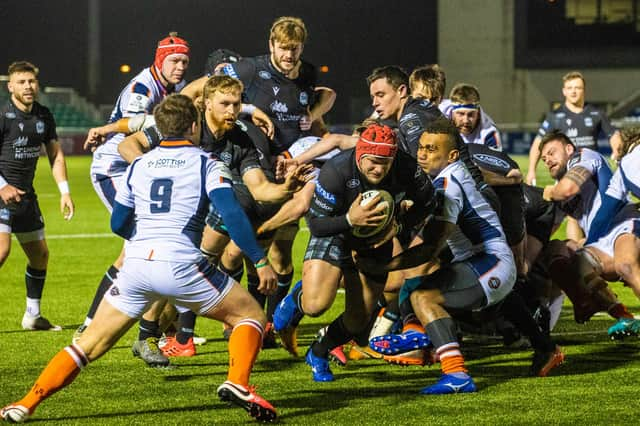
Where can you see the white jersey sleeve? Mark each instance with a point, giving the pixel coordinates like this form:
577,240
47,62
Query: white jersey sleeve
218,176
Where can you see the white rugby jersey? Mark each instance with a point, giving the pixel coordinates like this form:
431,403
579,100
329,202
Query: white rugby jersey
486,133
584,205
168,187
478,228
627,178
140,96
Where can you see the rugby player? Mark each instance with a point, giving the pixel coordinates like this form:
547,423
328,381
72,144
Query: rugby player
375,163
142,93
481,272
25,126
612,251
244,149
161,210
580,121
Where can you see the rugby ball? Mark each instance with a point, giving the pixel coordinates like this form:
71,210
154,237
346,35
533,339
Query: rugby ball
387,201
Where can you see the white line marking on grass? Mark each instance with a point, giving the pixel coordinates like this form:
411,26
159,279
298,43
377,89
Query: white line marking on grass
80,236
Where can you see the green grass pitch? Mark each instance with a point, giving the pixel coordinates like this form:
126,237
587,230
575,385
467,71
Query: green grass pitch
596,385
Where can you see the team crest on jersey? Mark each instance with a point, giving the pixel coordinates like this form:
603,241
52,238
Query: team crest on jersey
353,183
568,122
10,115
276,90
114,290
226,158
265,75
40,127
304,98
21,126
494,282
588,122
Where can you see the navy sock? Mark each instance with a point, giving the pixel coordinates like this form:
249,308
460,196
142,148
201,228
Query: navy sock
105,283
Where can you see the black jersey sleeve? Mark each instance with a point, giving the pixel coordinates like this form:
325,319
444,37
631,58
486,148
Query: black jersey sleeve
605,125
244,70
327,213
494,161
422,193
153,136
465,157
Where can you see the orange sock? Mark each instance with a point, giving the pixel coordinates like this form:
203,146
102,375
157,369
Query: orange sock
451,359
61,371
244,344
413,324
619,310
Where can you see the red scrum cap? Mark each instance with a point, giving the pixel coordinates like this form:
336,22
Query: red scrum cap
170,46
377,140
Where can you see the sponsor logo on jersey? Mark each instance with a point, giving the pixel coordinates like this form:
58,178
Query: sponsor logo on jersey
588,121
277,106
304,98
241,125
276,89
21,126
568,121
325,194
265,75
572,132
228,70
5,214
322,204
10,115
494,282
21,141
353,183
40,127
489,159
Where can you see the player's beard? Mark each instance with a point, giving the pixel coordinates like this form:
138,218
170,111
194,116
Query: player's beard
24,99
286,71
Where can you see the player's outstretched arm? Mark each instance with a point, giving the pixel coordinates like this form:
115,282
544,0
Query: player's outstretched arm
263,190
133,146
59,171
290,211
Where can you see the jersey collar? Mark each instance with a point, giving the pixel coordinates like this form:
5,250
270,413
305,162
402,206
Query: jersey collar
175,142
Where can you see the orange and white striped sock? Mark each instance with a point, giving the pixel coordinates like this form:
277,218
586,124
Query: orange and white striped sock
451,359
244,344
60,372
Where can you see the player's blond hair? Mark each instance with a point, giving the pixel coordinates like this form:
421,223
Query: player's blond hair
572,75
288,30
428,81
465,93
222,84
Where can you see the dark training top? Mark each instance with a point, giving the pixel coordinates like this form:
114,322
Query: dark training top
582,128
340,182
21,138
284,100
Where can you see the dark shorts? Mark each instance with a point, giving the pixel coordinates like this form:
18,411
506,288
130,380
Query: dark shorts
22,217
338,252
457,282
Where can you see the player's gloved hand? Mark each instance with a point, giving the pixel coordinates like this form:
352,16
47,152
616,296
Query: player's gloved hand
10,194
67,207
368,215
263,121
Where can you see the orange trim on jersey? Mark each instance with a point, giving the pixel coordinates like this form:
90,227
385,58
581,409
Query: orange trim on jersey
150,255
174,143
287,155
445,181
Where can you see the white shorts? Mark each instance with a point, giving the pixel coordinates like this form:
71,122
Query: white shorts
197,287
607,243
107,187
496,273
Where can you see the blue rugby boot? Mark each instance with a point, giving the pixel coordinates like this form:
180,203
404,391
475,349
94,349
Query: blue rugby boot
319,367
286,311
451,383
623,328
